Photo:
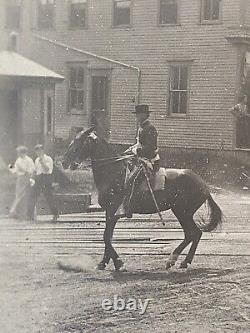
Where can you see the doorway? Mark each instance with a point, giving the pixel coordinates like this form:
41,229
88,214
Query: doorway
100,103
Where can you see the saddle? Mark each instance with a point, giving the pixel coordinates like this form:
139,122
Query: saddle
158,179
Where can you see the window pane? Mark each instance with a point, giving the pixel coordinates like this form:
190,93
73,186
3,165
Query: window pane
216,10
73,75
45,14
80,100
207,10
73,99
211,9
76,87
174,102
183,77
122,13
80,77
178,93
168,12
174,85
78,15
183,102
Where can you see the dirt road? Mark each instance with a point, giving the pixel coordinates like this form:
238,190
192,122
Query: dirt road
211,296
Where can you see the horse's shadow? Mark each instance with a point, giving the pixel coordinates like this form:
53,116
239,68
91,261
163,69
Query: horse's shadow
181,276
174,275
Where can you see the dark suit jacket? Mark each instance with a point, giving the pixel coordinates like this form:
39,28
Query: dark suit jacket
148,140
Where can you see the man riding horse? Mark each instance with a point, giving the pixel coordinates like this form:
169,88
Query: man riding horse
147,158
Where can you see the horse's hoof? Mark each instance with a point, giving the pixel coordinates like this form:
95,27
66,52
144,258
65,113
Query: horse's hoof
118,264
169,264
184,264
101,266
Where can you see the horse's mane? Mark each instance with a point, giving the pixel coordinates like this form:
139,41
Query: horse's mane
108,150
106,171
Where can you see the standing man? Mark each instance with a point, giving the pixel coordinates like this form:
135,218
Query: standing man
43,182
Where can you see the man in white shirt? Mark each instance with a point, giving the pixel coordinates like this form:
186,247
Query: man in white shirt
24,169
43,182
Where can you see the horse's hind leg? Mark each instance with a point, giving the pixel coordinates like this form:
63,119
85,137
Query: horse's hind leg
187,240
196,236
192,234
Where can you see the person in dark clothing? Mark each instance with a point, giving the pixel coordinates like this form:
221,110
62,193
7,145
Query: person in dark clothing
146,153
43,182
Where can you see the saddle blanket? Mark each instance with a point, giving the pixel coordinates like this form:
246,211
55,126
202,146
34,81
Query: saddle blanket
158,179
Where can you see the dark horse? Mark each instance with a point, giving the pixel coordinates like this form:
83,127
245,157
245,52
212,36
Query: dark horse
184,193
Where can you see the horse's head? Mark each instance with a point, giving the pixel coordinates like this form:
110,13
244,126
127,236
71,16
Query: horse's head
80,148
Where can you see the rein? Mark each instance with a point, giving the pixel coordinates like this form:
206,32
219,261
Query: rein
109,160
113,159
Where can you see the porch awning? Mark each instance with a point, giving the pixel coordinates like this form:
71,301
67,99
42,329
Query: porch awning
14,65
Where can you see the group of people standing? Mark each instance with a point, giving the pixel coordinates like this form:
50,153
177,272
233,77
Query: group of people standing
33,178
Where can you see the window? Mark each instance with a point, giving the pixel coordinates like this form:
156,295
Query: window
13,14
168,11
210,10
178,89
122,10
76,88
45,14
78,13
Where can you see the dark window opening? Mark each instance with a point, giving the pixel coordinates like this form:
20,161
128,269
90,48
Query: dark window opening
76,88
211,10
122,9
78,13
45,14
13,14
168,11
178,89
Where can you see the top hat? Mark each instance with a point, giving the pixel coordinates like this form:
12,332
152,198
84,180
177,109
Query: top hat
141,108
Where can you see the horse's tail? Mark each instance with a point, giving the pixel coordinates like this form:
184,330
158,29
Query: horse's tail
215,216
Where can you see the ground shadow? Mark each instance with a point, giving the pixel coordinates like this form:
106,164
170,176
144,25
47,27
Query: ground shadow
174,276
181,276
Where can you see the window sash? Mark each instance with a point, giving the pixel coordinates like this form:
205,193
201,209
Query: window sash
122,12
211,10
168,11
178,89
78,13
76,88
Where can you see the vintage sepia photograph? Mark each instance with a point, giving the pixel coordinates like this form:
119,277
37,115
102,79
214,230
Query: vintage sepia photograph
125,166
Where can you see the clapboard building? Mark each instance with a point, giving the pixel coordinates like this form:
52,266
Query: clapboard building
187,59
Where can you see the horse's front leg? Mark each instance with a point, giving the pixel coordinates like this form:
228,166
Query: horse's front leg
109,252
